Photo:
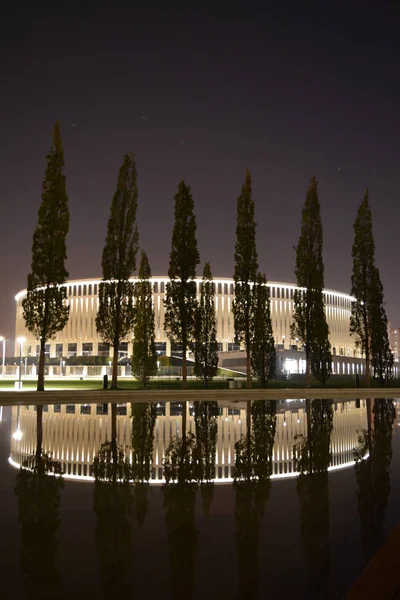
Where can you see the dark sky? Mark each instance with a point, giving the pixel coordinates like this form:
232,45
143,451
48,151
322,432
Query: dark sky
199,92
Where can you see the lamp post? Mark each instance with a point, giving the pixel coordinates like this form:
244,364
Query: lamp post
3,339
20,341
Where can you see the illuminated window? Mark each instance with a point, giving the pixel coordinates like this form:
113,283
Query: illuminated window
72,350
103,349
87,349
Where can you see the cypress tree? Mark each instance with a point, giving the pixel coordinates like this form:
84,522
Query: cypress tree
144,357
263,355
368,320
205,347
321,355
115,316
45,309
381,355
181,299
246,268
309,320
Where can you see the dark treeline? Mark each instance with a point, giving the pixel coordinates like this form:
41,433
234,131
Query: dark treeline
125,309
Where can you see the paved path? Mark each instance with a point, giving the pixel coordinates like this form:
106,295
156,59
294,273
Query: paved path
243,395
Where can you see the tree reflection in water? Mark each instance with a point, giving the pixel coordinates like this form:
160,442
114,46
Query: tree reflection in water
205,418
313,456
253,469
143,422
112,504
38,486
373,458
181,473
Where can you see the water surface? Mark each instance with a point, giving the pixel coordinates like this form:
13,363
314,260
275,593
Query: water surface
295,505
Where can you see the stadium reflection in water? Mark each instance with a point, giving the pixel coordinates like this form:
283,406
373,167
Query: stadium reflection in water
73,434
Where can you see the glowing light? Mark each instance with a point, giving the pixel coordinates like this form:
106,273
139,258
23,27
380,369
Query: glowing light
17,435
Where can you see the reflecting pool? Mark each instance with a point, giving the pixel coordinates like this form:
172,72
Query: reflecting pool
182,500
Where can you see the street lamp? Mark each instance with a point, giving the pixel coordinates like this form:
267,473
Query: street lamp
3,339
20,341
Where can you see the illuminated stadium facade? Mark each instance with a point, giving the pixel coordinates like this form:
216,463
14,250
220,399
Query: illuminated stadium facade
72,434
80,338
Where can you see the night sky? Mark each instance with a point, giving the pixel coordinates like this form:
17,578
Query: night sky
199,92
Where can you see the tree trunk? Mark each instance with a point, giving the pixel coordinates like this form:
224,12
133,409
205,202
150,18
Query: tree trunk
184,369
39,430
40,381
114,381
248,370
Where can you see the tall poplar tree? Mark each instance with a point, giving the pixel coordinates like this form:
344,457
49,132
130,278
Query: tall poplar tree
45,309
263,355
181,299
309,320
368,321
115,316
381,355
321,355
144,357
361,282
205,346
246,268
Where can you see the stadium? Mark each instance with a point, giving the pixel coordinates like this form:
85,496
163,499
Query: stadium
72,434
79,338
